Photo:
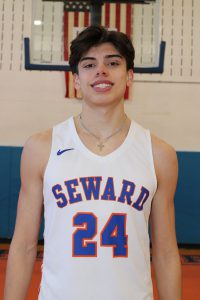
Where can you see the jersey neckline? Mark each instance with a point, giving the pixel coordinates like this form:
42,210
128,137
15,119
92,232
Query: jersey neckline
110,155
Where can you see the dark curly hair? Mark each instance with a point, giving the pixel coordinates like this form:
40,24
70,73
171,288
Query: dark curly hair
97,35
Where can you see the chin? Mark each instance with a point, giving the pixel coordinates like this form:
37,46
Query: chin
103,98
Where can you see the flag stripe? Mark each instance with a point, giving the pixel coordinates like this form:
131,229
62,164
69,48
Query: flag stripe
118,15
129,13
107,15
76,18
86,19
122,18
112,15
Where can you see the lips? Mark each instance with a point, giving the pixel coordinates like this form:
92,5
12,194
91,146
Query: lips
102,85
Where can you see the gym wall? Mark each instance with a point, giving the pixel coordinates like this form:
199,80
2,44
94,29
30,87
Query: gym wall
168,104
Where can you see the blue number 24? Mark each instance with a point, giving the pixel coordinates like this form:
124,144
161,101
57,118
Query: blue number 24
112,235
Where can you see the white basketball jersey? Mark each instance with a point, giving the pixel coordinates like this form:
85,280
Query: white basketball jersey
96,243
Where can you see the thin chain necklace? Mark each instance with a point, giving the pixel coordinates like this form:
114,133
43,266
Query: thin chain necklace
102,141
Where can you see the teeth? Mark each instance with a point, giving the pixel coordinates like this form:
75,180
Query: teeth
102,85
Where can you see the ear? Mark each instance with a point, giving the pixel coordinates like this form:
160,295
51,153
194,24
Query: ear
76,81
130,77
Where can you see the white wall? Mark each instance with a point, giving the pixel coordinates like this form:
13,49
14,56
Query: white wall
33,101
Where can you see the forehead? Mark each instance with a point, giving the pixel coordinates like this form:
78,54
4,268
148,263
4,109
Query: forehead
101,50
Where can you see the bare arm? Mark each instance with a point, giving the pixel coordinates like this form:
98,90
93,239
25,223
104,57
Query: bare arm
23,248
165,255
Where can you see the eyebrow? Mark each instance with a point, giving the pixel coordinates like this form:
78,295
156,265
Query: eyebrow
107,56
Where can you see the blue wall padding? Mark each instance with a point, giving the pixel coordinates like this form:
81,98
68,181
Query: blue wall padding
187,198
9,189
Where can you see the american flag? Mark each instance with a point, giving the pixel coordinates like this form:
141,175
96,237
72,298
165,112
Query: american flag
115,16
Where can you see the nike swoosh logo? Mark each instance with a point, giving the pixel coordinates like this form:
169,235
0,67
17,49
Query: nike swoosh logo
64,150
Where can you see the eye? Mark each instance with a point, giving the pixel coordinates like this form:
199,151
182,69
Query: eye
89,66
114,63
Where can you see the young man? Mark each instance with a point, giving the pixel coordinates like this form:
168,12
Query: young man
102,176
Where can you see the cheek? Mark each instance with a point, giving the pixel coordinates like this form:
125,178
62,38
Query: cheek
126,80
85,86
123,81
85,78
121,76
80,80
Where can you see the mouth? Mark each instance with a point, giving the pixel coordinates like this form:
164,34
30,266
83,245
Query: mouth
102,86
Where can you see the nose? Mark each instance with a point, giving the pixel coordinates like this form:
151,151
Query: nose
101,70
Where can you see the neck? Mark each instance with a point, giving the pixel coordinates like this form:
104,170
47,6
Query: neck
103,121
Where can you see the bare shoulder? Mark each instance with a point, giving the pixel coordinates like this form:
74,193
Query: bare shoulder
38,140
165,158
37,150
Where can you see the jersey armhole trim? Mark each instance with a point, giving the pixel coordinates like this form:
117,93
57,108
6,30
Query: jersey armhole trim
152,158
